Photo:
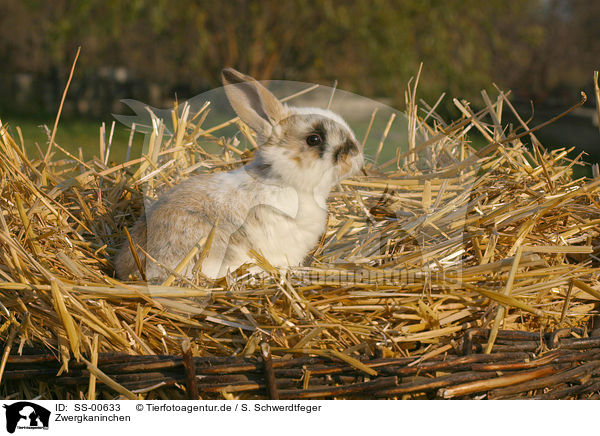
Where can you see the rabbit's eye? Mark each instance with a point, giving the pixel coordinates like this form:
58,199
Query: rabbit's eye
314,140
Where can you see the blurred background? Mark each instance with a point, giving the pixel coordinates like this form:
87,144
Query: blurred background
544,51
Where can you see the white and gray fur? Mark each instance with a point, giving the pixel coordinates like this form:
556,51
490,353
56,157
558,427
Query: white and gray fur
275,205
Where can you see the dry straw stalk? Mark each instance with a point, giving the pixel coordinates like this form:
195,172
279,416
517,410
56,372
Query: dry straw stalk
414,254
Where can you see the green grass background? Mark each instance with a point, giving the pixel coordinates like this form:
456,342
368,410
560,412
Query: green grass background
73,134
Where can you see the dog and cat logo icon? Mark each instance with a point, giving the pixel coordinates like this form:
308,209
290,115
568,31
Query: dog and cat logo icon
26,415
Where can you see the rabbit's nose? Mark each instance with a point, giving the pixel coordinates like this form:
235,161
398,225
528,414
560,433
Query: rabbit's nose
345,149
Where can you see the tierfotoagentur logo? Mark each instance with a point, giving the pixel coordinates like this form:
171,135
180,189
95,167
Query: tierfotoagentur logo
24,415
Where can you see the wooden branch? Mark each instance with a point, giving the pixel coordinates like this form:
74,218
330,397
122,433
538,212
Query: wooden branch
190,371
268,371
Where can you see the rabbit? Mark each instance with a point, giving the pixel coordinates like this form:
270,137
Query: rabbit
275,205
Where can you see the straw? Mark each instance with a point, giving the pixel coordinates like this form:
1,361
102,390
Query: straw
411,259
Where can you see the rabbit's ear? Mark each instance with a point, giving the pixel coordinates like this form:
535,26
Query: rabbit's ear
254,104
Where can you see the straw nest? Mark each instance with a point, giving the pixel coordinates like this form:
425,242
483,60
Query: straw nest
441,239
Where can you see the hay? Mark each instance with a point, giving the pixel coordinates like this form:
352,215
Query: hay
441,239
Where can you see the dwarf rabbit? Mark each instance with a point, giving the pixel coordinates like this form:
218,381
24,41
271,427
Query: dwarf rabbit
275,205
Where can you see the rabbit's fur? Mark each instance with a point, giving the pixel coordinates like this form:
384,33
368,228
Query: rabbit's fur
275,205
